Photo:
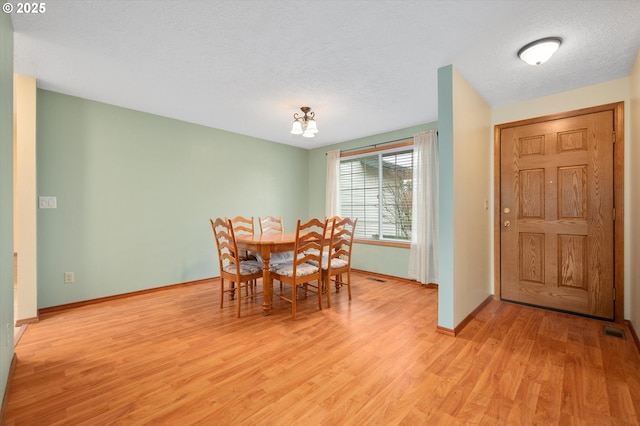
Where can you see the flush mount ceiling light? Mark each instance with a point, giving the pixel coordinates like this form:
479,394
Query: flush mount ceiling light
539,51
304,125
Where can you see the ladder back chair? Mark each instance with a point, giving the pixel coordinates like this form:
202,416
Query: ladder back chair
270,224
274,225
338,259
243,226
309,243
232,269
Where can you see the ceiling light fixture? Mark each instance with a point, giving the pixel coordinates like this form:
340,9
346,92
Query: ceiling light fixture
304,125
539,51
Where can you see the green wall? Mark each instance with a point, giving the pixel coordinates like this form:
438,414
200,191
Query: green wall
381,259
135,193
6,198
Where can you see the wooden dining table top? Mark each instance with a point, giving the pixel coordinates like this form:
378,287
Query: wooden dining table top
267,238
280,241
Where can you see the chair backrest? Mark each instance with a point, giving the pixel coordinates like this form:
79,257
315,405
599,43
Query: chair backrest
309,244
330,222
270,224
341,242
226,242
242,225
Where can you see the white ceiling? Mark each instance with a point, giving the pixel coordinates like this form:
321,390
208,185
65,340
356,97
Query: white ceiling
364,66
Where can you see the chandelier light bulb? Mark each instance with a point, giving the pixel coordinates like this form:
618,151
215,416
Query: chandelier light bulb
297,128
311,126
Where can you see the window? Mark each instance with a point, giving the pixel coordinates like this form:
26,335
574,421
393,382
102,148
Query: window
376,188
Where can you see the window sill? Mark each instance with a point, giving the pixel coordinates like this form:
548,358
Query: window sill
383,243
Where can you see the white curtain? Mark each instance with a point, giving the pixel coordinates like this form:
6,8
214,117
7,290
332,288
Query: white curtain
423,257
332,201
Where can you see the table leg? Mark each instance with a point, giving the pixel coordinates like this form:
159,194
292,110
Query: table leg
267,284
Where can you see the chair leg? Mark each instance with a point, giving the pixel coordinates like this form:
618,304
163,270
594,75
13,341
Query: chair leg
239,301
232,290
294,297
349,283
326,286
221,292
320,281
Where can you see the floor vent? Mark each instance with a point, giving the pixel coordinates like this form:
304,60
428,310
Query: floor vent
615,332
377,279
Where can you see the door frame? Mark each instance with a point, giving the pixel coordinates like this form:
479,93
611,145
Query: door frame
618,195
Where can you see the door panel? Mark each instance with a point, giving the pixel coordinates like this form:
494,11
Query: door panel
557,216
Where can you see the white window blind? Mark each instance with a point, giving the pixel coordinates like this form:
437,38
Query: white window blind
377,188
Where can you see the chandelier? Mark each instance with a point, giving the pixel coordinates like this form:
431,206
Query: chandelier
304,125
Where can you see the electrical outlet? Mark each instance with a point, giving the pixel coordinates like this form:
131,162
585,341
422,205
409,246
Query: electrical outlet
68,277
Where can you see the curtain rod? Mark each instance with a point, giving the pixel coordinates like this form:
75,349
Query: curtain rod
375,145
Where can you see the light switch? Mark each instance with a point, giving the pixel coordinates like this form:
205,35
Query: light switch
47,202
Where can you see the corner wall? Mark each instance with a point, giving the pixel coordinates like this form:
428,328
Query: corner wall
6,198
472,153
25,196
465,189
446,257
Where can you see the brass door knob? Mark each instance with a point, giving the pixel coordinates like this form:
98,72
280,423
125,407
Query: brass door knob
507,224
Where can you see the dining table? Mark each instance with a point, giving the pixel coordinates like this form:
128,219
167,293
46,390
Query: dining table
265,244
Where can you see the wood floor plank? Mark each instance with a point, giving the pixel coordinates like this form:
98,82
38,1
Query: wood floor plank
174,357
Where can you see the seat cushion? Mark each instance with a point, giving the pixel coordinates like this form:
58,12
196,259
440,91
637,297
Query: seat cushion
248,267
325,258
302,270
335,263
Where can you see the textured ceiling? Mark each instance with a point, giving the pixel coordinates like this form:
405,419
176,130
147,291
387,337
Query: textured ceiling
364,66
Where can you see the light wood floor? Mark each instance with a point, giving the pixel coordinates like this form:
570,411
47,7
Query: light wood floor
173,357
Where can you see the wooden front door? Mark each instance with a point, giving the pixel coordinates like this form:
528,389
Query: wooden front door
557,213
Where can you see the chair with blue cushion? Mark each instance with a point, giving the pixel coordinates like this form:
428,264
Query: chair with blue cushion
309,244
237,272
